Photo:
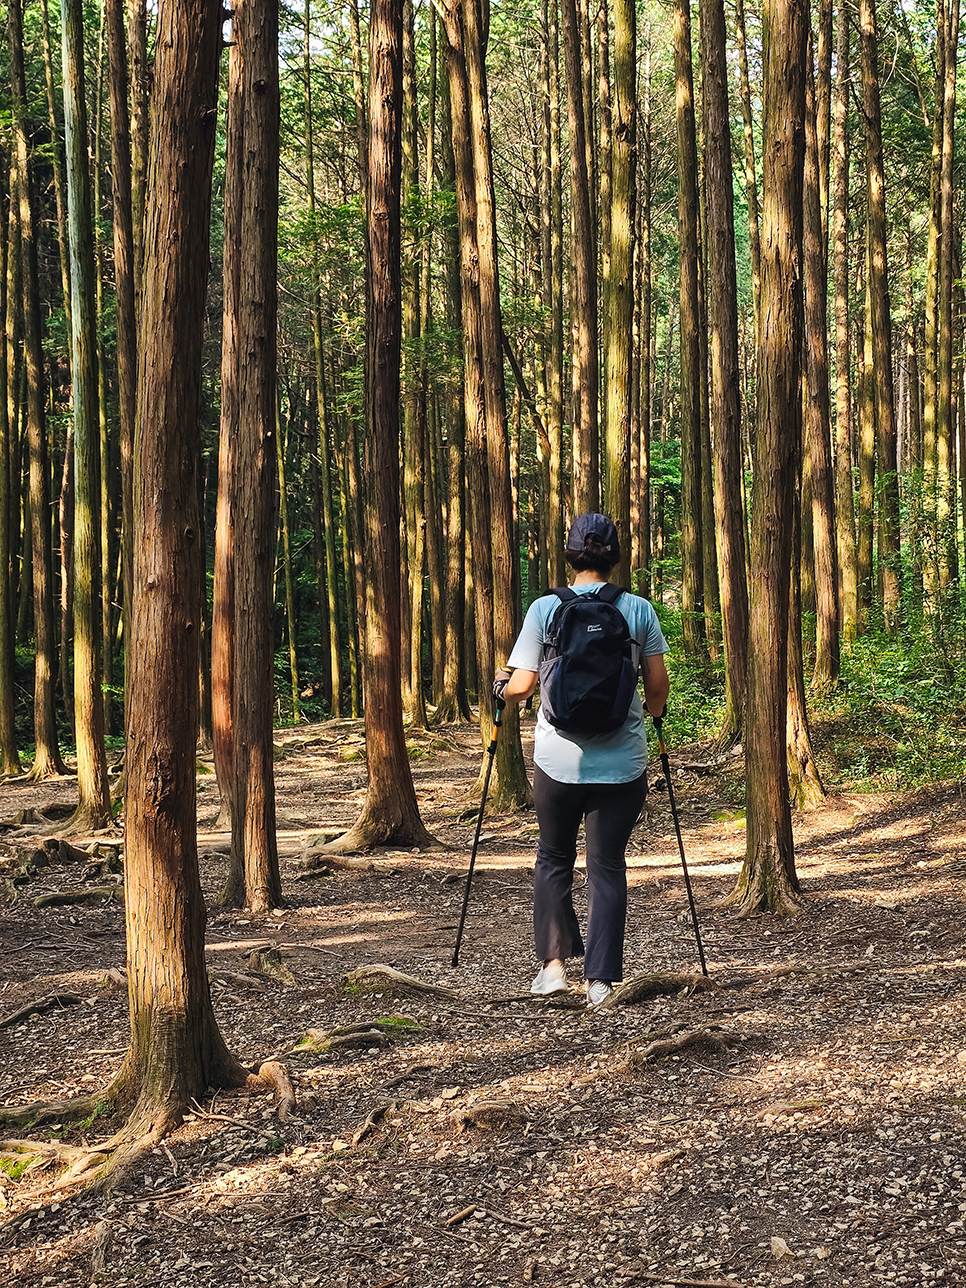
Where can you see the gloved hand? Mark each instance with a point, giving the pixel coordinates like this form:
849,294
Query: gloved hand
501,680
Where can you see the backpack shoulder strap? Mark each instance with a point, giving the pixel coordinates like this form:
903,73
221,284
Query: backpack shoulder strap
564,594
610,593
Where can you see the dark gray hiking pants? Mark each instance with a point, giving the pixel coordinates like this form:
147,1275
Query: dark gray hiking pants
609,812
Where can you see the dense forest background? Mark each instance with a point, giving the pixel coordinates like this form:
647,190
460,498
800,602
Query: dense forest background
607,142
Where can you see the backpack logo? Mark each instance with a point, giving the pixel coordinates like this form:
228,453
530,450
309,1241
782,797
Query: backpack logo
588,676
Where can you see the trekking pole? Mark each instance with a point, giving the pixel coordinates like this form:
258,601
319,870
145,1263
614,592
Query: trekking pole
666,766
491,752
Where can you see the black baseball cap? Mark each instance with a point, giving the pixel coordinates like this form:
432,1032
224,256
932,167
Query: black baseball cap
597,526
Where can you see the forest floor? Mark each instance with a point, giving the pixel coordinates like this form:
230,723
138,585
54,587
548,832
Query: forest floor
808,1129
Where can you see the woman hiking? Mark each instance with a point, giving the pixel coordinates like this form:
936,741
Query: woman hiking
590,754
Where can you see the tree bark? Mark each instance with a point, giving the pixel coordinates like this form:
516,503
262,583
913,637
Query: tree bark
844,495
47,759
586,467
890,571
94,805
390,812
692,581
9,756
751,182
818,428
866,459
512,789
176,1048
620,298
223,587
946,538
253,812
768,878
124,290
725,370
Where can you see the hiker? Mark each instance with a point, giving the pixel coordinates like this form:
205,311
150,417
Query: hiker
581,773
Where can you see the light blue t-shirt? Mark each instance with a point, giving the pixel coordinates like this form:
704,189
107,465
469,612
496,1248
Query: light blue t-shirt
617,757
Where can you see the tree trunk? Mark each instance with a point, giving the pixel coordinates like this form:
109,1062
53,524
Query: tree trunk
768,879
946,537
751,182
512,789
47,760
725,370
291,625
818,429
412,571
253,806
9,757
223,588
641,523
844,496
866,461
141,74
620,331
586,467
94,805
692,582
453,704
390,812
328,583
124,290
890,571
805,786
57,164
176,1048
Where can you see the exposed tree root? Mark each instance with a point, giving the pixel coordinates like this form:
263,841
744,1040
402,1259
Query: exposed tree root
784,972
643,987
388,980
51,1111
712,1036
370,1033
91,894
276,1077
365,836
148,1124
321,860
492,1112
38,1007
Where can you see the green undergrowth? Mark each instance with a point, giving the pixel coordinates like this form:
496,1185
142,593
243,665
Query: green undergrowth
896,720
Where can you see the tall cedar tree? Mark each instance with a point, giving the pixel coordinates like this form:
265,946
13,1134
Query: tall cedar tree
124,287
725,370
94,804
390,812
890,578
818,440
223,580
692,579
253,801
47,760
768,879
586,377
177,1051
620,296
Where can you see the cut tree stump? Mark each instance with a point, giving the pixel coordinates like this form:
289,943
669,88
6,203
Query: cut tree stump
268,961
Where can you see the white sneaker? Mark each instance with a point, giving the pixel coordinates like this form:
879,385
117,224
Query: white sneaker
549,979
598,991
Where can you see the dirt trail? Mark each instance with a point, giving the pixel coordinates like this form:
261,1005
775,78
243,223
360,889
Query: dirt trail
811,1133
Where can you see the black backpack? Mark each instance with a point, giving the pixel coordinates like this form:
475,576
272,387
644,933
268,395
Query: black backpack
588,676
